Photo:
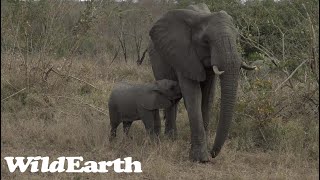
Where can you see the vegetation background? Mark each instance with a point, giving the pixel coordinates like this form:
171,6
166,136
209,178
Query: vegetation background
61,58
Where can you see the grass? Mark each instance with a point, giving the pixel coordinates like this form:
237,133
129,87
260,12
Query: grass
67,117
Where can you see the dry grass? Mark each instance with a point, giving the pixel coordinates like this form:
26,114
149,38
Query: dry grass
53,119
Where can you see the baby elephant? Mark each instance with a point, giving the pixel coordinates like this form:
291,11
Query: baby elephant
129,102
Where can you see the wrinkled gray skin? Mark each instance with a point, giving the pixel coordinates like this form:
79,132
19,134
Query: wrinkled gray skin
130,102
186,45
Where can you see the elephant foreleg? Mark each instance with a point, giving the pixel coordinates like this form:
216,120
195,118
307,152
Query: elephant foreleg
192,95
148,119
157,123
170,121
208,91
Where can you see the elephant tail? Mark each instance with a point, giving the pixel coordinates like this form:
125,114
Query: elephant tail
139,61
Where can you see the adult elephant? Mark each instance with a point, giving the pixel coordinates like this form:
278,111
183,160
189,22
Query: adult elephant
193,46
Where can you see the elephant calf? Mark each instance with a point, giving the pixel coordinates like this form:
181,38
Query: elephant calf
129,102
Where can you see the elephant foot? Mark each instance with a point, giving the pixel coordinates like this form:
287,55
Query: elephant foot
199,154
214,152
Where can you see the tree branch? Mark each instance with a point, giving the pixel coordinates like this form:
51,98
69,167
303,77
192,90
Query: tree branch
290,75
81,102
13,94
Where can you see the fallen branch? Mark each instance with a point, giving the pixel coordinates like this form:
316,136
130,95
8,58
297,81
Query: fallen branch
290,75
11,84
13,94
46,73
264,138
81,102
51,69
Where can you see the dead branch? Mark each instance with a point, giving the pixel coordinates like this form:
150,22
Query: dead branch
123,46
46,73
11,85
115,55
73,78
282,40
267,53
81,102
313,60
139,61
13,94
122,39
262,49
264,138
290,75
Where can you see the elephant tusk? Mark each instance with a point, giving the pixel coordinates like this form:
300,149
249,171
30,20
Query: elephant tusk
247,67
216,70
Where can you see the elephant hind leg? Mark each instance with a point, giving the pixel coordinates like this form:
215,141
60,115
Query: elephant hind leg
148,119
113,132
115,120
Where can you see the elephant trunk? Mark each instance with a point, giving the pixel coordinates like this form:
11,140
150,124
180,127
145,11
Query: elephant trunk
229,84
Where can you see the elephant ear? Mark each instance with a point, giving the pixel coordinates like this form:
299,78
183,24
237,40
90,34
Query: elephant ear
154,100
172,38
